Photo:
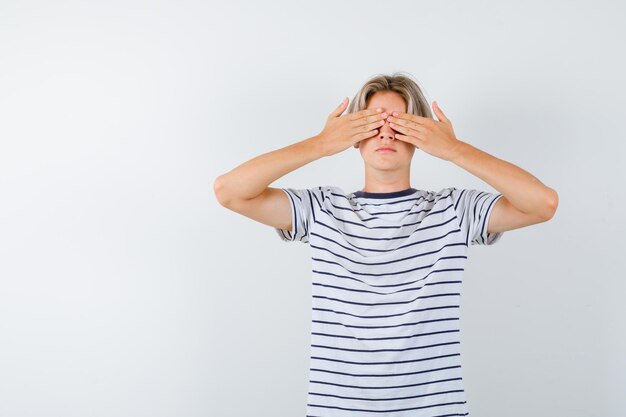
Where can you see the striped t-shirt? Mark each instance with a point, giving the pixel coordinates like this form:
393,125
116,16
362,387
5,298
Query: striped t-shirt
386,282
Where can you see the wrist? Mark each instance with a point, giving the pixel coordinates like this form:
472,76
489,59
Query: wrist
316,146
459,151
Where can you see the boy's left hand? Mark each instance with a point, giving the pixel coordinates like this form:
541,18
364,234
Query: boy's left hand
435,137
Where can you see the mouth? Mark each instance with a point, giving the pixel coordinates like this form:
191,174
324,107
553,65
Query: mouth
385,149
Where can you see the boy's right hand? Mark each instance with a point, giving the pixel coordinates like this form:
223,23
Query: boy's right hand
341,132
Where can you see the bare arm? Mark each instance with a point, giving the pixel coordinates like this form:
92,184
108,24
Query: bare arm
525,200
251,178
245,189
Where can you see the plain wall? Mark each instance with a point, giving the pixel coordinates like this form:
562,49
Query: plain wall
127,290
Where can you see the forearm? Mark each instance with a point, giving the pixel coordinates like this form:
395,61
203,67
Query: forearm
522,189
251,178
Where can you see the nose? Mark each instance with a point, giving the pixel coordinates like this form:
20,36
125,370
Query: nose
386,132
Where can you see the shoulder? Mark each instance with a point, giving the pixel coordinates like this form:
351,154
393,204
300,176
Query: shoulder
330,197
317,195
446,193
457,193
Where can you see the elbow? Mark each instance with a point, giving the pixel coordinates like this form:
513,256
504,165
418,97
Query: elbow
218,190
553,203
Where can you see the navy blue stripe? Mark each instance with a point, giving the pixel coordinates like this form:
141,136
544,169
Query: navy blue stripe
485,224
311,196
456,208
337,219
391,194
418,255
384,250
341,336
295,216
473,203
415,310
461,226
438,415
338,256
388,203
393,410
387,363
399,272
351,208
385,293
386,350
385,399
432,202
479,218
454,294
315,271
386,263
459,198
385,327
425,371
351,199
419,229
347,277
436,381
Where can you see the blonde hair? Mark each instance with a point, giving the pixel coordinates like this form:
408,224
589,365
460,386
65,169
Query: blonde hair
399,82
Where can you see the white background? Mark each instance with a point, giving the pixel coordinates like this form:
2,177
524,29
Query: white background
127,290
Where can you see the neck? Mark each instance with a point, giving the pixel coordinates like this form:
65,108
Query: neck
386,180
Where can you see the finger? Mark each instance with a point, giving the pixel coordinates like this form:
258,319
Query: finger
411,117
409,139
369,127
439,113
337,112
364,135
394,122
373,125
363,114
417,130
400,129
378,119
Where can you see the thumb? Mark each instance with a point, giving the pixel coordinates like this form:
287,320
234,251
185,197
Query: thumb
340,108
442,117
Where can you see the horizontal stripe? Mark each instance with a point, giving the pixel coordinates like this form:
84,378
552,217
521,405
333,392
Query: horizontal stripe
385,411
386,376
383,338
356,249
391,261
385,315
385,327
385,350
388,303
363,223
384,399
383,293
435,381
386,277
385,363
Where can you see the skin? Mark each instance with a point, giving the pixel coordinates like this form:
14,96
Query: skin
525,201
386,171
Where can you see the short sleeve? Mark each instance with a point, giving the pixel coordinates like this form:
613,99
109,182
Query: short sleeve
302,214
473,209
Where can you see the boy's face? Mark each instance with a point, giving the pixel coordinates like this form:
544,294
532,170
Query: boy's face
389,101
